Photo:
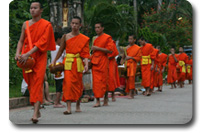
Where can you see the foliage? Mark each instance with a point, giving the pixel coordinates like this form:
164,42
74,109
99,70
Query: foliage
172,23
118,19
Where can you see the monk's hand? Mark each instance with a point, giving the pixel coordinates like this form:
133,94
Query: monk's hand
53,63
23,58
85,68
151,67
17,57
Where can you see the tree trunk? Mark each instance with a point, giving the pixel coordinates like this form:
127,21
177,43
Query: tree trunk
170,2
135,13
159,5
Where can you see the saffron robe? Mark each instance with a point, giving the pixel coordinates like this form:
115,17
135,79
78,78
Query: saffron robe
182,75
172,74
42,36
100,65
113,70
135,52
162,64
146,50
154,74
189,70
72,83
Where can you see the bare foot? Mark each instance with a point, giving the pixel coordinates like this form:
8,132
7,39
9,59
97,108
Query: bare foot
36,117
105,104
129,97
78,110
97,105
113,99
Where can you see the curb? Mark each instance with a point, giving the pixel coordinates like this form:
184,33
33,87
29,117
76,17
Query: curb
24,101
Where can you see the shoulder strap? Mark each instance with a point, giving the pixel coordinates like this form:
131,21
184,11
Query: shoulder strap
29,36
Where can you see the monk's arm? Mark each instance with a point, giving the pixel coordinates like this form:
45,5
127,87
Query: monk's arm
122,59
86,64
152,65
61,49
101,49
20,42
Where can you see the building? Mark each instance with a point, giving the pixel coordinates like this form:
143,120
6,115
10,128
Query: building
62,12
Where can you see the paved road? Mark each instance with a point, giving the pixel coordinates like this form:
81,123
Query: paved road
172,106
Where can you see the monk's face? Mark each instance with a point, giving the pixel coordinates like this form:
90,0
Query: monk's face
181,50
75,24
98,29
172,50
131,40
142,42
35,9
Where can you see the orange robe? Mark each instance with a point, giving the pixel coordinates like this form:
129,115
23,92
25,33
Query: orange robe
42,36
113,70
146,68
189,70
72,83
162,63
172,74
182,75
135,52
100,65
155,75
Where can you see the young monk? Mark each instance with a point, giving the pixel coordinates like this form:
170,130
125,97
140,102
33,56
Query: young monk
133,56
162,65
76,46
183,58
42,38
113,72
155,72
147,64
172,74
189,69
103,44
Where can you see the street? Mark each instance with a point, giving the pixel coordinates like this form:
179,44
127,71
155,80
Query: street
172,106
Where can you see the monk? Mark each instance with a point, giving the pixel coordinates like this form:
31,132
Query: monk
182,64
76,46
155,72
189,69
147,64
133,56
42,40
162,65
103,44
113,72
172,74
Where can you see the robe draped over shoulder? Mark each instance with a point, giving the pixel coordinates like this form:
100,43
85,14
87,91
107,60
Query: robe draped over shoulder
100,65
72,83
42,36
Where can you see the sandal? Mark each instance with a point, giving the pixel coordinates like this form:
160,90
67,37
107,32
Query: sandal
35,121
67,113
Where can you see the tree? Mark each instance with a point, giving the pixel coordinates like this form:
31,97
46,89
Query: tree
173,22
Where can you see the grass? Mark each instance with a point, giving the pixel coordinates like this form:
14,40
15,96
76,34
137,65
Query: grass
15,91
